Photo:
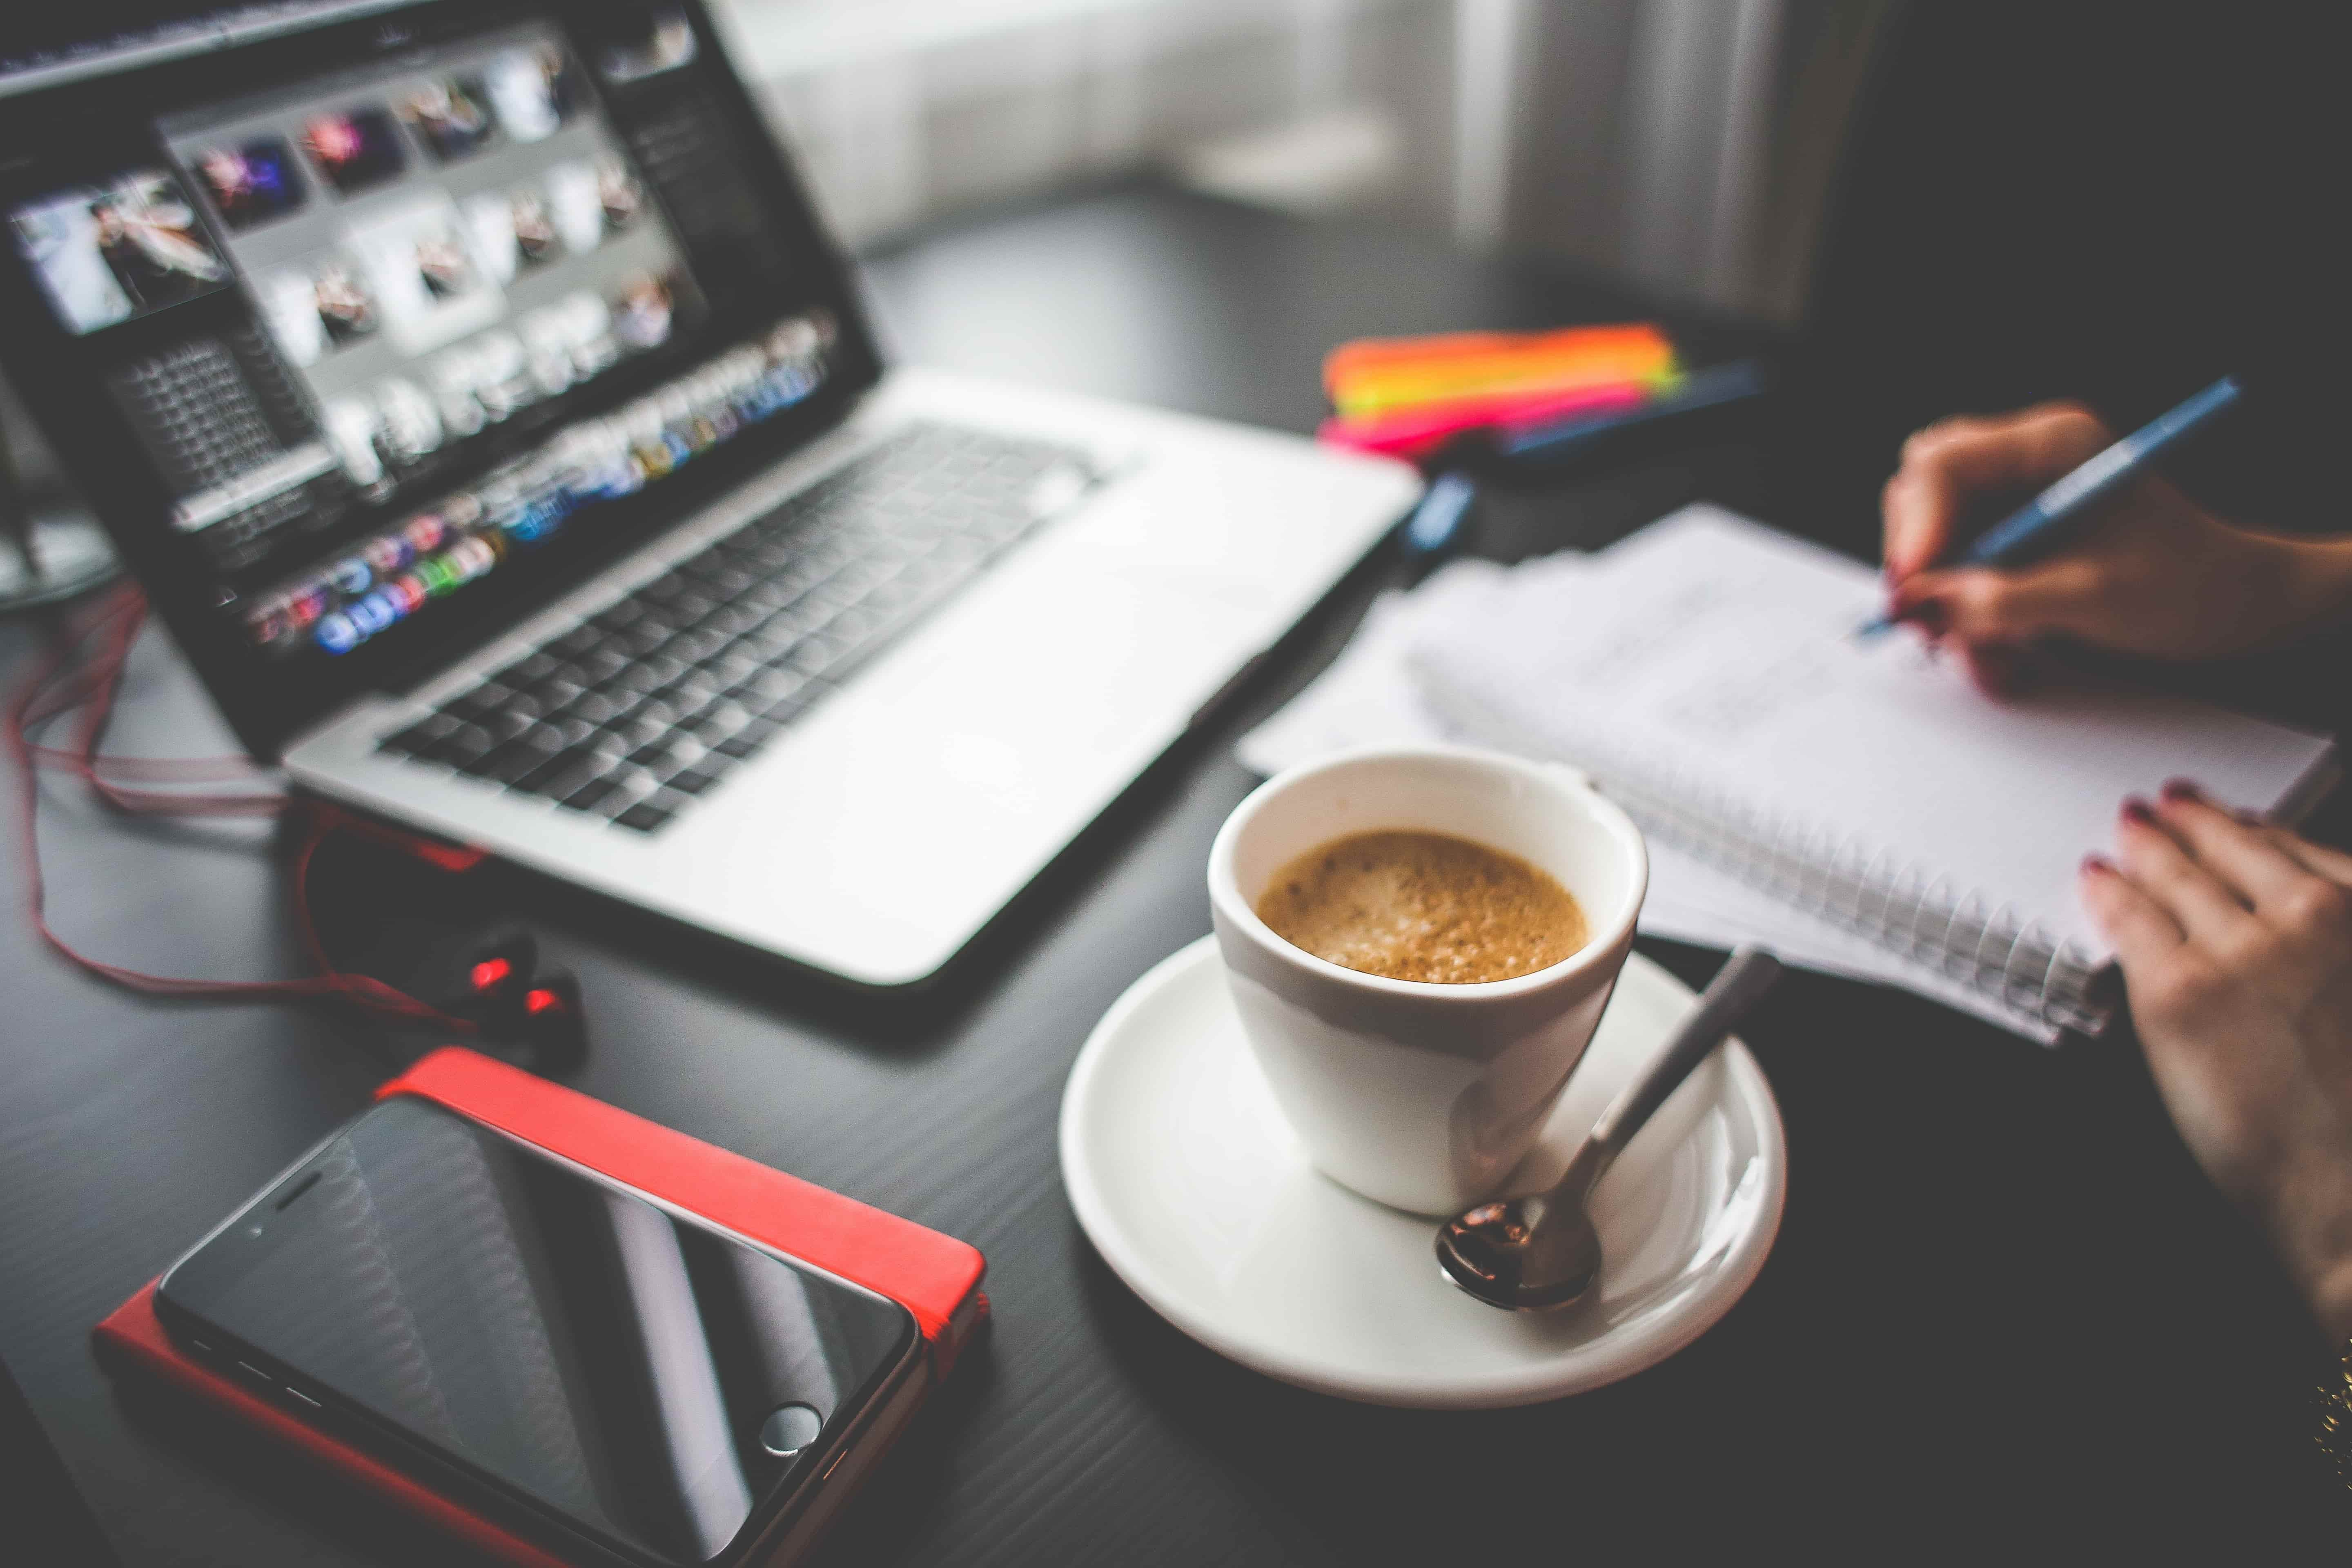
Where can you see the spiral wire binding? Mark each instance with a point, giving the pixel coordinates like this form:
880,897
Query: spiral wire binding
1899,906
1908,908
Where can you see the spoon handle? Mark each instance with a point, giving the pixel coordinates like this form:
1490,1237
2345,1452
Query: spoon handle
1738,985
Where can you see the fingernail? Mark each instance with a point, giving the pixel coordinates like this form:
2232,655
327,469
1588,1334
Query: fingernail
2098,863
2182,789
2137,810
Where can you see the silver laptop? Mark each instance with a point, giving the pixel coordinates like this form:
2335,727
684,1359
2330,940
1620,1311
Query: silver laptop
498,431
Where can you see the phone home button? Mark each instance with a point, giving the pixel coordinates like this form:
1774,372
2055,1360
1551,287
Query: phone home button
789,1430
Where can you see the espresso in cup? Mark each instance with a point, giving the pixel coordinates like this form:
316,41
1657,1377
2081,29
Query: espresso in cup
1413,905
1423,1097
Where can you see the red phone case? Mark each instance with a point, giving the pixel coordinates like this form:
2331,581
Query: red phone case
935,1277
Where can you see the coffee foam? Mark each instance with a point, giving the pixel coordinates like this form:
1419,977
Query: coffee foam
1430,907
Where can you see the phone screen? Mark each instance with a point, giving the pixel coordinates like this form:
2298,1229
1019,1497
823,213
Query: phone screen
631,1370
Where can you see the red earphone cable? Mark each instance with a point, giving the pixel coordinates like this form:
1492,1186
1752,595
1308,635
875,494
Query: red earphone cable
59,685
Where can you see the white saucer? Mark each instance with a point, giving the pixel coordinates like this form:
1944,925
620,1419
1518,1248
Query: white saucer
1194,1189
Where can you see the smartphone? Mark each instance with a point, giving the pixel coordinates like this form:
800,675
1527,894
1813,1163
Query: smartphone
594,1368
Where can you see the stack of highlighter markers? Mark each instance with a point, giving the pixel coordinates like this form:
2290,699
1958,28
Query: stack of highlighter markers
1410,397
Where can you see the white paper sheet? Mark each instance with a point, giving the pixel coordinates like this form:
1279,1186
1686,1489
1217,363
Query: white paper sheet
1725,649
1367,698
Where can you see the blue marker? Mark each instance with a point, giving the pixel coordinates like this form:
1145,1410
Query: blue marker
2042,522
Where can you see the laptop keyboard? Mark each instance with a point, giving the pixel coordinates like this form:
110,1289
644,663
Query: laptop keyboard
648,703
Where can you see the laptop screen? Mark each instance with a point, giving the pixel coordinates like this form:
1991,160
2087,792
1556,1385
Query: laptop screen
368,335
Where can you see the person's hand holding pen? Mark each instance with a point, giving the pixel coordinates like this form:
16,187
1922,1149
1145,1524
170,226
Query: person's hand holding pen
2234,936
2153,573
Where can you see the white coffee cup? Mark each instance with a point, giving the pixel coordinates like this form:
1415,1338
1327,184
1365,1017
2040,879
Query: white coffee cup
1421,1095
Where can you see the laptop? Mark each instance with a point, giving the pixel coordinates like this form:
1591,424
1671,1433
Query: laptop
493,424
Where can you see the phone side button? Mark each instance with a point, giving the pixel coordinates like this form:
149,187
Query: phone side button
305,1398
257,1371
833,1467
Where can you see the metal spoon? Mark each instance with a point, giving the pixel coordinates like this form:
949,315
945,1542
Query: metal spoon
1540,1253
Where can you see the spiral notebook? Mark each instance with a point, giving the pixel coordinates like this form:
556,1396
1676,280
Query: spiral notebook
1703,672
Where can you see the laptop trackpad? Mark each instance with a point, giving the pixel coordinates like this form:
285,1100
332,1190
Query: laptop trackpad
948,775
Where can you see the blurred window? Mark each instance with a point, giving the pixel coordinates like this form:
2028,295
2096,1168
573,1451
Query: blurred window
901,109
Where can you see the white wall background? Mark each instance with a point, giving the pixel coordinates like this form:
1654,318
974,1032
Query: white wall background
1681,144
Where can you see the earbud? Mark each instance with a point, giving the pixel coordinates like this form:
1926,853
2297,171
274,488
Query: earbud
553,1023
491,976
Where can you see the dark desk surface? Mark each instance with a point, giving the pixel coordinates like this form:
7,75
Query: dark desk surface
2003,1305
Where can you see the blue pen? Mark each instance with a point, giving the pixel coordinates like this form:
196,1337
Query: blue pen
1711,387
1439,516
2040,523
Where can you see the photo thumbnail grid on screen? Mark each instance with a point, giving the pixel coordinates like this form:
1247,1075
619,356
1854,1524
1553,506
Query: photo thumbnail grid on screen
355,148
475,240
110,252
405,255
252,183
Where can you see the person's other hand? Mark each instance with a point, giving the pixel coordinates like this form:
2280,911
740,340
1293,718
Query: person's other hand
2235,941
2155,574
